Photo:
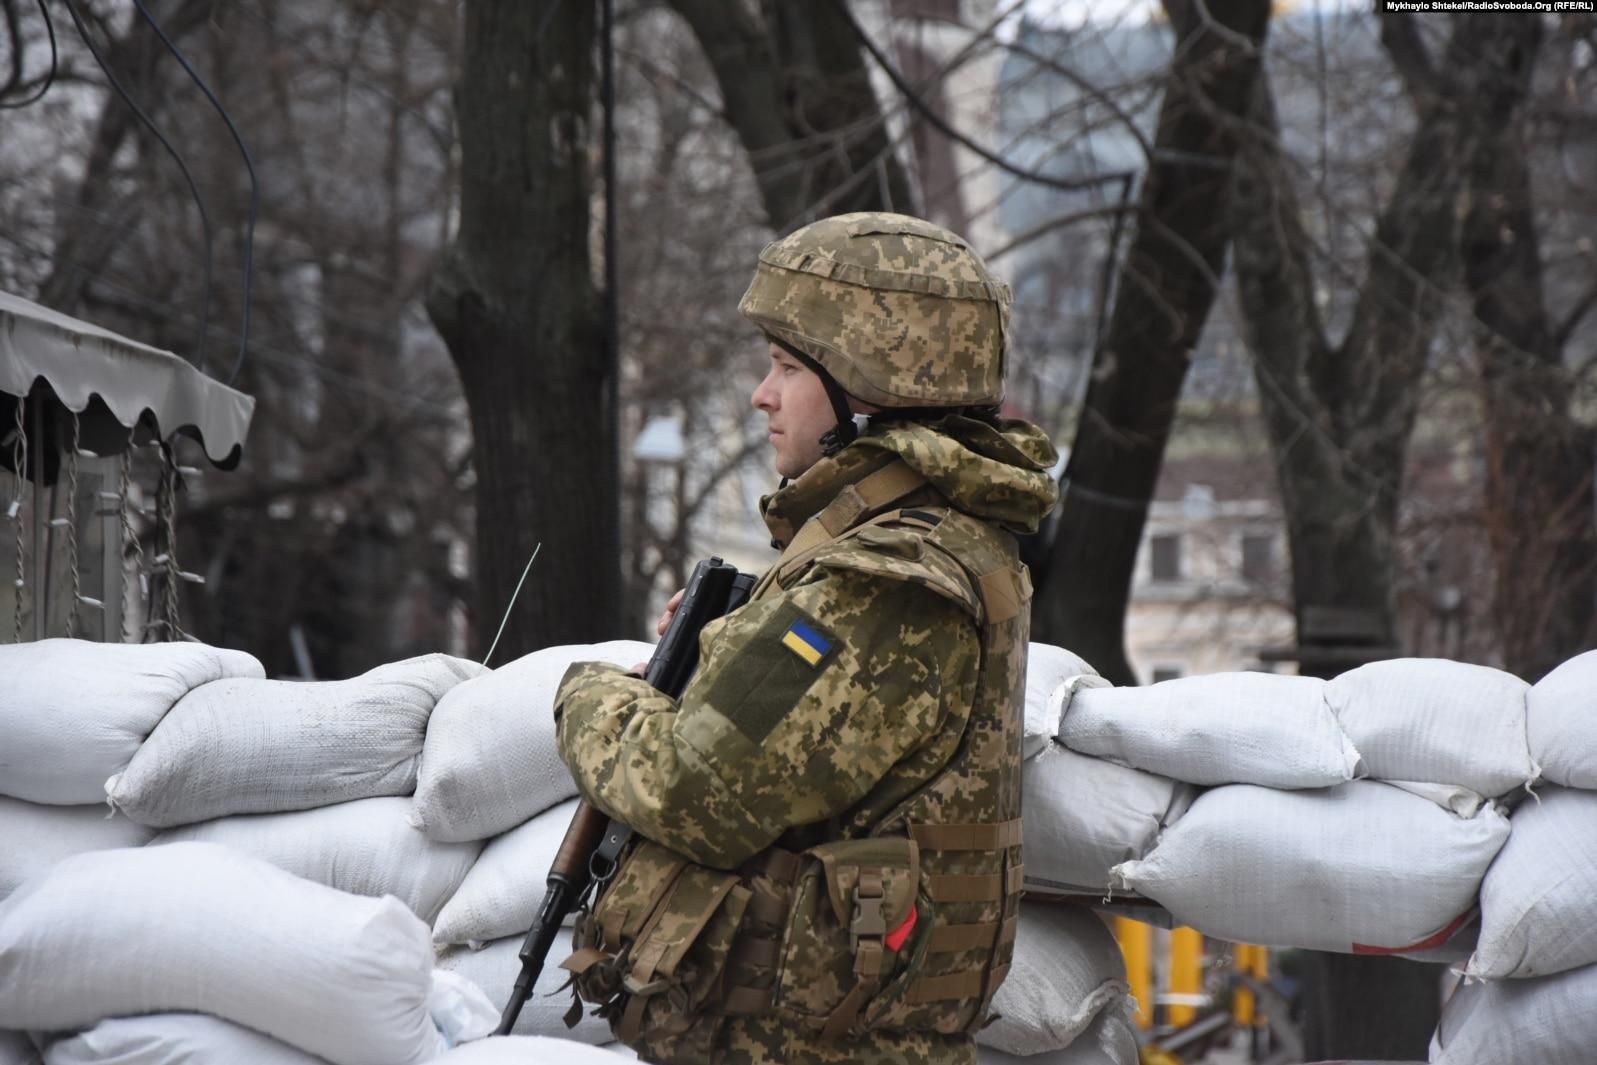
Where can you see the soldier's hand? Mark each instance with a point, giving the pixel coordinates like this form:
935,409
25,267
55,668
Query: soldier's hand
669,612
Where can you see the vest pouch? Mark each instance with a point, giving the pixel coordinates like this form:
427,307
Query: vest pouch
850,896
654,947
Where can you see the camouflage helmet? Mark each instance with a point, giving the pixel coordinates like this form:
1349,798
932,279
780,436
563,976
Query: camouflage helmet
902,313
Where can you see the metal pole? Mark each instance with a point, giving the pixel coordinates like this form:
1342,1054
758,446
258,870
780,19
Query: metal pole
612,283
41,603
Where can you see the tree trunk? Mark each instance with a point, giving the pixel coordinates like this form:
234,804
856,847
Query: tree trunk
1166,290
1539,506
516,303
798,94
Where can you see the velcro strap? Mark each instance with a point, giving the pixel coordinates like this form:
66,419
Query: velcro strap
953,938
640,979
974,837
964,984
867,973
893,481
581,961
746,1001
979,887
1001,595
958,887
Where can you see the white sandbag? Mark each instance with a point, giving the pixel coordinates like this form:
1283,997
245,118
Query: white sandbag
460,1009
17,1049
1224,728
490,761
1362,867
34,837
1546,1021
495,968
501,894
365,847
1084,816
74,712
1450,797
1539,898
1067,969
173,1039
198,927
533,1050
1111,1039
1561,723
267,746
1047,667
1436,721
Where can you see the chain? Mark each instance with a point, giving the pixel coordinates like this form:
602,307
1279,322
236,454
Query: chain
72,529
129,535
19,463
169,528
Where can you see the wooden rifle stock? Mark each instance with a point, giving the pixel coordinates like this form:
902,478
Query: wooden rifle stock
592,845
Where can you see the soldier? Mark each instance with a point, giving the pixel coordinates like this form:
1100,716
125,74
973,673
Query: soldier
826,865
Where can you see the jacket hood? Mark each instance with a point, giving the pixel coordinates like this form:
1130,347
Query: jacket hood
998,473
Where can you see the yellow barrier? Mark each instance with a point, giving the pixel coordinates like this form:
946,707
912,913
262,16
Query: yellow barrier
1136,943
1182,972
1186,974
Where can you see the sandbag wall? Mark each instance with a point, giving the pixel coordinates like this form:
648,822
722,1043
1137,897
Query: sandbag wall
330,871
1417,806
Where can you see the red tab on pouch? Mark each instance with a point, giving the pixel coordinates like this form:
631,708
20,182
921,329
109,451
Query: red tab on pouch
894,940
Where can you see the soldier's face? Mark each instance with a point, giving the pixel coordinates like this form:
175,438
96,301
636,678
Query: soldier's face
797,412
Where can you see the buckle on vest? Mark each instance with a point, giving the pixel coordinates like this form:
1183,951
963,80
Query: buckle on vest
868,918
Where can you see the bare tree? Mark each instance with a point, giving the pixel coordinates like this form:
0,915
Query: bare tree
796,89
516,303
1167,287
1539,506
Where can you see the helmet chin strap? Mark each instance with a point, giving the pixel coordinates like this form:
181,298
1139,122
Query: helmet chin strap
848,424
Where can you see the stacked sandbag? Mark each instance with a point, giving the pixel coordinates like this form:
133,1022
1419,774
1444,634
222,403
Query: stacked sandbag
1539,899
1227,728
1550,1020
73,712
196,927
172,1039
1066,987
1561,723
501,894
34,837
259,746
490,761
365,847
1049,670
1358,814
1085,816
1360,868
1437,722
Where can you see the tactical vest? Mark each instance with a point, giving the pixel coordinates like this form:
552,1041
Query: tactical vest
908,923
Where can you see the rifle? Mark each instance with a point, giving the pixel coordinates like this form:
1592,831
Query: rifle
592,845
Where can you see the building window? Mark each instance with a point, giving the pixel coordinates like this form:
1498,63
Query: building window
1166,554
1258,557
1166,673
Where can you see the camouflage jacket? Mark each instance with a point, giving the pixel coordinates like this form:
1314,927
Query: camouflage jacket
827,708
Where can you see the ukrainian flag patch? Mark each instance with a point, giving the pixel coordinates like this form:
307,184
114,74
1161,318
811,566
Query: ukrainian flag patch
806,642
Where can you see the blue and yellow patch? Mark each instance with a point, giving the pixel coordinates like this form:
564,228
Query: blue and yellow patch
806,642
